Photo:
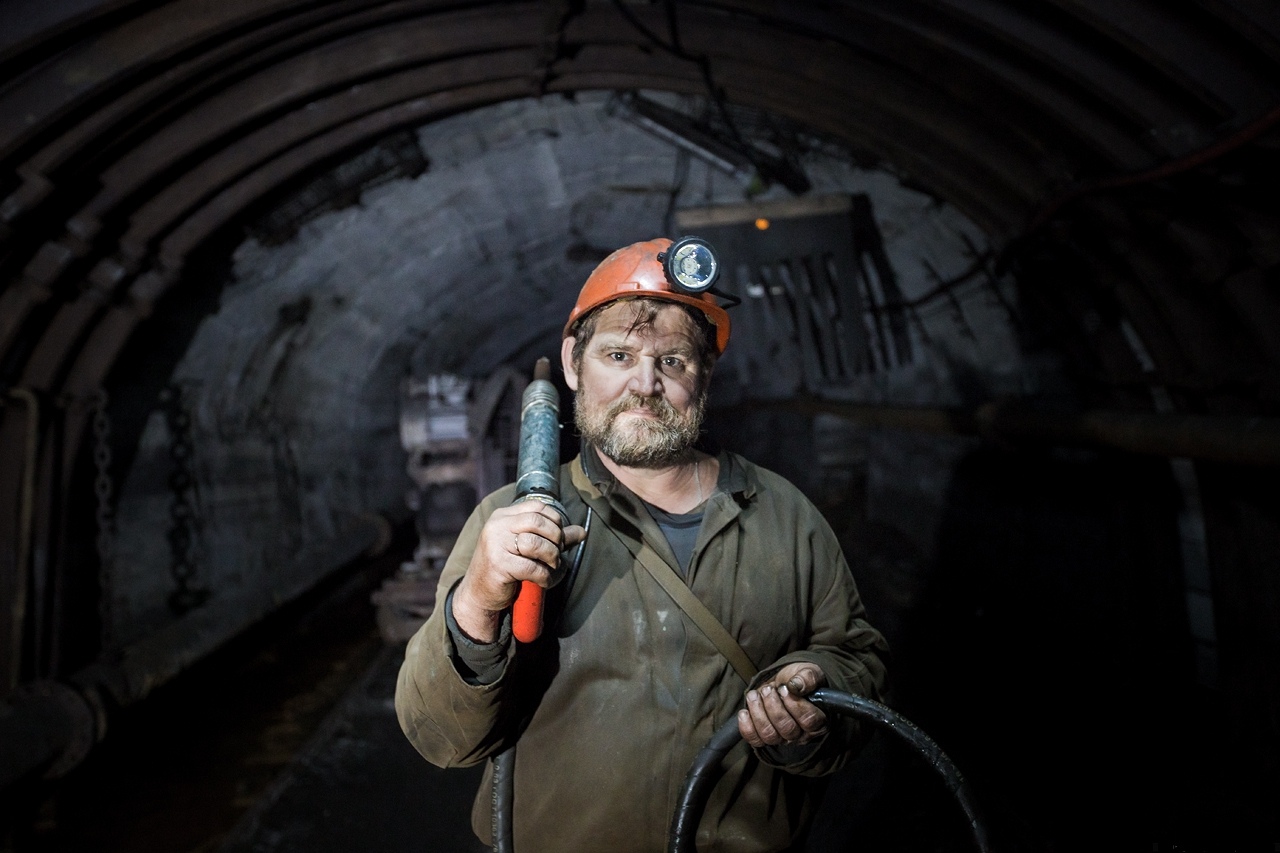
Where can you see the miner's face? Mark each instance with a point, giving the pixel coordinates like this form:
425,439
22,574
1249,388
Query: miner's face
641,390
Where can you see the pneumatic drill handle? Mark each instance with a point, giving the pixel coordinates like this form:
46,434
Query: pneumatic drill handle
537,478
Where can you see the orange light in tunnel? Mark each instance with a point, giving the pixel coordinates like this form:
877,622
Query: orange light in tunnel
762,223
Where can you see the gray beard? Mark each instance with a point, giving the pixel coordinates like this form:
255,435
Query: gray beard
643,443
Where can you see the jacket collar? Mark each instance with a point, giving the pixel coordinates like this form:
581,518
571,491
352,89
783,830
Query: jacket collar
619,507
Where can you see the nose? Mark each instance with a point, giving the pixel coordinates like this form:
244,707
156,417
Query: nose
645,379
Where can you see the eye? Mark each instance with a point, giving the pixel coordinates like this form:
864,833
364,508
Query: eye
673,363
617,356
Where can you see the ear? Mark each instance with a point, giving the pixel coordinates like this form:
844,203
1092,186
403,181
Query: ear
566,362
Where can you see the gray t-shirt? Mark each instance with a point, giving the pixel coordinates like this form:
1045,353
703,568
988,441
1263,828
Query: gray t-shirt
681,530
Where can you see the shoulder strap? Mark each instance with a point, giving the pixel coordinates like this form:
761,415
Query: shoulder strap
694,609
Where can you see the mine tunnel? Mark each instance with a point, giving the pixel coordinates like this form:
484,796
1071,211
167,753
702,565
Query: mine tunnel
273,274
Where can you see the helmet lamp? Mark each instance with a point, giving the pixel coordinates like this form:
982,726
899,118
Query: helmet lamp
690,265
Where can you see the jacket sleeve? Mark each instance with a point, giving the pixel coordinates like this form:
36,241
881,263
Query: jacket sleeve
453,723
840,641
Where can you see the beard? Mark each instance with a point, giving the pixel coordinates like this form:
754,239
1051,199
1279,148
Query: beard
663,440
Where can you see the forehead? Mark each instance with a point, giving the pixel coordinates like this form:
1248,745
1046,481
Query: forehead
667,323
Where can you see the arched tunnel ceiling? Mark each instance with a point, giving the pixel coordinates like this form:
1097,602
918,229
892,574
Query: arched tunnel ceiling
137,131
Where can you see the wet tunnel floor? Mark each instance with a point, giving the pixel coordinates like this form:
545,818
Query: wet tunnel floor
287,741
359,786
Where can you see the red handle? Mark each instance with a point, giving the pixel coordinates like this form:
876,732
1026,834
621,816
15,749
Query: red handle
526,614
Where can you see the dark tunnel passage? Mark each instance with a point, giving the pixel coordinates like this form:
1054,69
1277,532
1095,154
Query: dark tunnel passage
273,274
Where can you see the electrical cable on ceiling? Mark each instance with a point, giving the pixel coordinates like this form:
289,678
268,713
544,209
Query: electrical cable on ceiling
704,66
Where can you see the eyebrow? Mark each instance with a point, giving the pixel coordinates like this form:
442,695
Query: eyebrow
613,340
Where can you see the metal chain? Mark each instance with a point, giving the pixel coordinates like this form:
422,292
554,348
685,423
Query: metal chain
103,490
187,594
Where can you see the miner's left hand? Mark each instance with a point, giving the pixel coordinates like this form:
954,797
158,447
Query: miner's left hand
777,712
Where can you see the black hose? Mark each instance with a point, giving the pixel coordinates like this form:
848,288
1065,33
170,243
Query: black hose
504,764
504,774
682,837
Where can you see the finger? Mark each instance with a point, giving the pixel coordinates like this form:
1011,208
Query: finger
533,547
561,538
538,573
525,507
527,516
573,534
539,524
747,729
763,723
786,725
801,679
810,718
542,508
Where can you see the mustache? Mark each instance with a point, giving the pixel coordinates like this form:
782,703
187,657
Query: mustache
654,405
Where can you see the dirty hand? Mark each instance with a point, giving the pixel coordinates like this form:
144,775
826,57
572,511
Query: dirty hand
518,543
776,711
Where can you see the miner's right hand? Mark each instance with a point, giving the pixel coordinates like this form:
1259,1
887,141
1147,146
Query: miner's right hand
518,543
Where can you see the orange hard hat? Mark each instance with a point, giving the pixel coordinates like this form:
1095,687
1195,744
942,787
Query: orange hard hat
636,271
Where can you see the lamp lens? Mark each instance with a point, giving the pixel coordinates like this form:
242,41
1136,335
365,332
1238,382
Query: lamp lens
694,266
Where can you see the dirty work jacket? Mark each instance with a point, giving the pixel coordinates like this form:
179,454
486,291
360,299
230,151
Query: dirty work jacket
614,700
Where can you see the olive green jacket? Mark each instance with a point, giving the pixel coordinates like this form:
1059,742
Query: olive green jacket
613,702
